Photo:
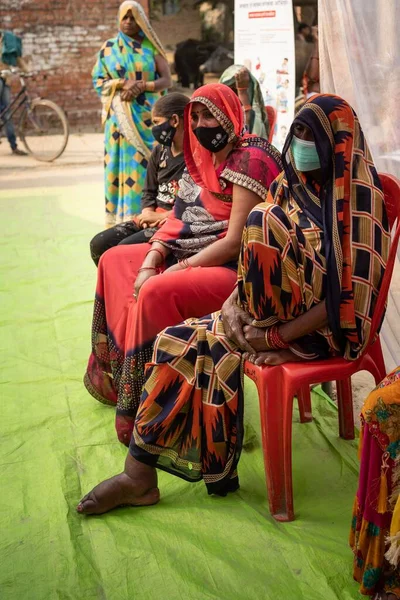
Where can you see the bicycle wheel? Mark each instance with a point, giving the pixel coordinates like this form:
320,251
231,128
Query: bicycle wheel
44,130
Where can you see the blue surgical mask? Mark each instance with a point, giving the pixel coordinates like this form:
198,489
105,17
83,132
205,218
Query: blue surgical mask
305,155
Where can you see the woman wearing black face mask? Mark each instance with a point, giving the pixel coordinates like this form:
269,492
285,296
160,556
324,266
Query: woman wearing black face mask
189,266
164,171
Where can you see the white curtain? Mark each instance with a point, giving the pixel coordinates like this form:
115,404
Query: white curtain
360,61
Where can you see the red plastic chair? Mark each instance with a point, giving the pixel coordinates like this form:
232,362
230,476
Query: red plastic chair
272,116
278,385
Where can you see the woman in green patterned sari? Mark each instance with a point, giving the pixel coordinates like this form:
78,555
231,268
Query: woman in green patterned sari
247,88
130,72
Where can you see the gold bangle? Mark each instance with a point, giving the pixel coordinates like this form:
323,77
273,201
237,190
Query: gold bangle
150,86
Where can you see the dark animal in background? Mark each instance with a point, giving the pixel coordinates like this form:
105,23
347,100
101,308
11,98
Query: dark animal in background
220,59
189,55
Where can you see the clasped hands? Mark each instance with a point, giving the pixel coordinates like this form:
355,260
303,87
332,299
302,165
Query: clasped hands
132,89
238,326
150,218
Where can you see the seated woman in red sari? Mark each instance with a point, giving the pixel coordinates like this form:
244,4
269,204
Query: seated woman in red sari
189,266
310,268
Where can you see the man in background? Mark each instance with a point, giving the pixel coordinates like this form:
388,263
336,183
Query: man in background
10,56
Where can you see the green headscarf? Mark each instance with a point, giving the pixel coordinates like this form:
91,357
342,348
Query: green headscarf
10,48
259,124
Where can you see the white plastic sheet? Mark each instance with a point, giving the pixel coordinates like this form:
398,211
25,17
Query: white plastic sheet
360,61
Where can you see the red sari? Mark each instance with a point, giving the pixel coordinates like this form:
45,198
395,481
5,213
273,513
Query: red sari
124,329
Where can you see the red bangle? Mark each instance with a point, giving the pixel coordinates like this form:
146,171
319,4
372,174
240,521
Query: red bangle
242,89
247,107
274,339
147,269
159,252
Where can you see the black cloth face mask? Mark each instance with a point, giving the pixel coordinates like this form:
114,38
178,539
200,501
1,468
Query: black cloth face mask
213,139
164,133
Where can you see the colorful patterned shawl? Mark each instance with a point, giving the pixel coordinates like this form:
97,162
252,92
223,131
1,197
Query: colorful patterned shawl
349,207
204,201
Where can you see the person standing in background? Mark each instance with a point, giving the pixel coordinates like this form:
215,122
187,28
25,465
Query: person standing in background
130,72
11,56
311,73
247,88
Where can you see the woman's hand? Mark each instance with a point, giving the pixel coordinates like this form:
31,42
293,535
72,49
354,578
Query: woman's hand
132,89
140,280
234,319
176,267
127,96
242,78
160,222
150,218
153,262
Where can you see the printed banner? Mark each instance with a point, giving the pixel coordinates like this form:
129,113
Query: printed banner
264,43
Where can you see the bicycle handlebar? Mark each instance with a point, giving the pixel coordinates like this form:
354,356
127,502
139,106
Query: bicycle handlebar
15,71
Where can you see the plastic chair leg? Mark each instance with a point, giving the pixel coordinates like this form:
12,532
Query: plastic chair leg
345,409
276,408
304,400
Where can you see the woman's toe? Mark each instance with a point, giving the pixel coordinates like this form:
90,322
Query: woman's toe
87,505
261,360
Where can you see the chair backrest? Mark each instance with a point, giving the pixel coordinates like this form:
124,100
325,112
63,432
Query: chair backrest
271,114
391,190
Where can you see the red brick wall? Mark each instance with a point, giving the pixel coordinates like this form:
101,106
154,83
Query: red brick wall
62,37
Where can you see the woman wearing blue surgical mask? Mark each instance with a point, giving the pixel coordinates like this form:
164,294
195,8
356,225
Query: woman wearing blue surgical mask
164,170
322,266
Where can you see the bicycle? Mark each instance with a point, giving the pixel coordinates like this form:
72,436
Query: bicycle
43,125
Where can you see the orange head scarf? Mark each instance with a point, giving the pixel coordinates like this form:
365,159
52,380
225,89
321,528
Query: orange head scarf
227,109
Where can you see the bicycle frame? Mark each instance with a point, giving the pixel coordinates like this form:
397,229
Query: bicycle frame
34,120
20,99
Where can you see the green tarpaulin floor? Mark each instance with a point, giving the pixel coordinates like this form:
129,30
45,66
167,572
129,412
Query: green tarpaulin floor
57,442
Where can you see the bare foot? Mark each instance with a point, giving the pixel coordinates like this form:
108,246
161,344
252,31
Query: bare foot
272,357
385,596
136,486
256,337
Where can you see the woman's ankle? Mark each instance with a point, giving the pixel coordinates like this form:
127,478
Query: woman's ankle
139,471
